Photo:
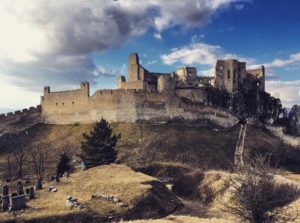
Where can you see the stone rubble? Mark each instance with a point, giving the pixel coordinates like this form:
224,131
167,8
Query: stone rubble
110,198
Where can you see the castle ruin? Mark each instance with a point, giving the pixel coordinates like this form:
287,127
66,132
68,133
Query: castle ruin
152,96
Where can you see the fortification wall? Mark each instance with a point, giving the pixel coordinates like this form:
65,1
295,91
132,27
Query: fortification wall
123,105
16,115
195,95
258,74
20,120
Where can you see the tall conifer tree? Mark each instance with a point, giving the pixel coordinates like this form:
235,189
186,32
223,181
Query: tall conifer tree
98,147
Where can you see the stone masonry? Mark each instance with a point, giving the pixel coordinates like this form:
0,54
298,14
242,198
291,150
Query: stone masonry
151,96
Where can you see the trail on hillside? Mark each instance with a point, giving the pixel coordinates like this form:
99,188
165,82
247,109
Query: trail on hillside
239,150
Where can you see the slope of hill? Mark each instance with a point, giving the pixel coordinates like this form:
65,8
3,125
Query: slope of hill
138,196
170,146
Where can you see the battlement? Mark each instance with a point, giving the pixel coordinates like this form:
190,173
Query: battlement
19,113
147,95
206,77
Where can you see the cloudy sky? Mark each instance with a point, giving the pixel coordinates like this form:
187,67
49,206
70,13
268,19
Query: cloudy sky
61,43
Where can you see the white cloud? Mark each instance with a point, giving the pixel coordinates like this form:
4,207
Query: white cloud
197,53
157,36
10,94
291,61
50,42
287,91
239,6
108,71
205,54
152,62
42,27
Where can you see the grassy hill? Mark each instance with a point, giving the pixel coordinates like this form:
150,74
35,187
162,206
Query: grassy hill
163,149
139,195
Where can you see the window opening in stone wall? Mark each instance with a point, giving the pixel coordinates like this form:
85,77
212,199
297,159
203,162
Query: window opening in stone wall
56,104
63,103
228,74
73,102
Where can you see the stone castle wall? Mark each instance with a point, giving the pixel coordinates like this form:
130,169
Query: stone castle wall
150,96
18,121
12,116
122,105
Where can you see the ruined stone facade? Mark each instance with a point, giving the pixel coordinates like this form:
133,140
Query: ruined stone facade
141,79
151,96
232,75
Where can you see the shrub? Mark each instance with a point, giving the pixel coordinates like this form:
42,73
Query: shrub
62,166
257,197
187,184
206,194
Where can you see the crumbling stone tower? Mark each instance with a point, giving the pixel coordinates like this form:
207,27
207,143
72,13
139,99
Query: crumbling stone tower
232,75
134,67
229,73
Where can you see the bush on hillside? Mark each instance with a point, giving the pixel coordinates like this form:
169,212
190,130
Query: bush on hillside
62,166
187,184
257,197
98,147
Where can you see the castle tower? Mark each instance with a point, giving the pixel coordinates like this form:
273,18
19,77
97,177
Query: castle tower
120,81
229,73
165,83
186,72
133,67
85,88
46,90
259,76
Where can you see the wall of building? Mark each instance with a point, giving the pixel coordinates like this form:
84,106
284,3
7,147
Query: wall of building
18,121
166,83
184,73
232,75
228,74
16,115
195,95
259,76
123,105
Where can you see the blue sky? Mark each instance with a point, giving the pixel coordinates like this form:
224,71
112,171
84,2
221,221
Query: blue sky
62,43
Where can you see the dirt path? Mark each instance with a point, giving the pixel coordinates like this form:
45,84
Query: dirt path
192,207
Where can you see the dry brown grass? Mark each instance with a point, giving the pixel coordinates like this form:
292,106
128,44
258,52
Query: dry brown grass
216,182
145,143
117,180
182,219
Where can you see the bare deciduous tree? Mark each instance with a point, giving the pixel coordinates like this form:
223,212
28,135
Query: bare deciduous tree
20,156
257,197
39,157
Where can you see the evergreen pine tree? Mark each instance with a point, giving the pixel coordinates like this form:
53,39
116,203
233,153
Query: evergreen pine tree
98,147
62,166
